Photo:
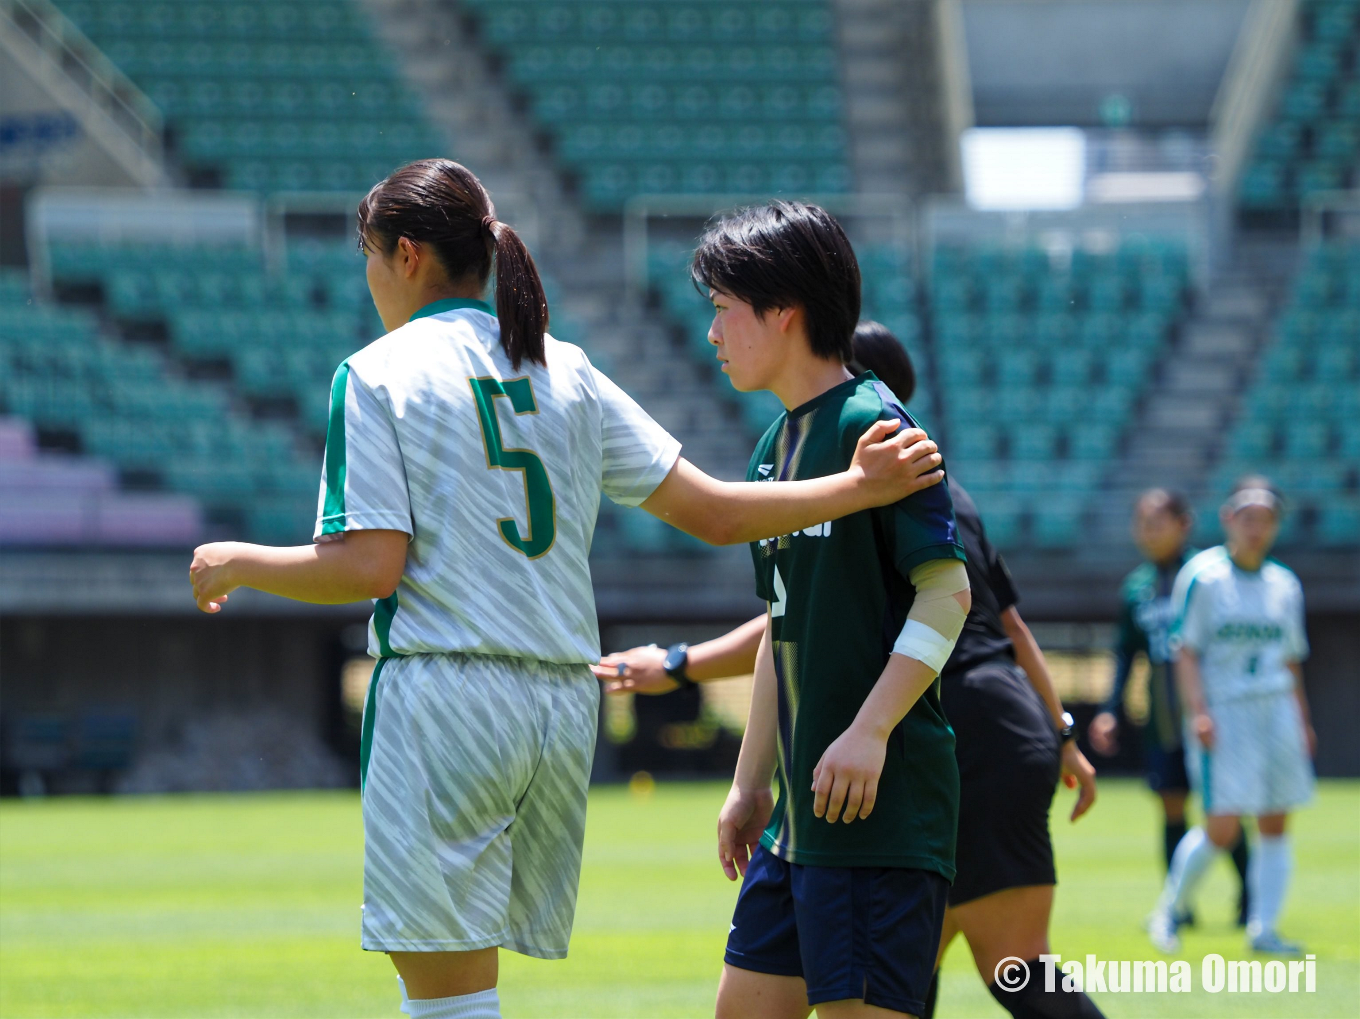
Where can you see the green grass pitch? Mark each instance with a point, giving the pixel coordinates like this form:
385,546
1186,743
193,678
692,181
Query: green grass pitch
249,906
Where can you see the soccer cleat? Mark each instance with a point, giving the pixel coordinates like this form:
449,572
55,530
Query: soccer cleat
1161,928
1272,944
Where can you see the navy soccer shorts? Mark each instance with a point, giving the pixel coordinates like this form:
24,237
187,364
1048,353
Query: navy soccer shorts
849,932
1165,768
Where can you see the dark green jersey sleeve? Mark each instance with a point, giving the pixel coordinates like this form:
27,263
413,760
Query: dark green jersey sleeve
1130,638
922,526
1127,644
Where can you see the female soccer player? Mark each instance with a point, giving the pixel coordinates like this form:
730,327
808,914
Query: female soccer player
1009,727
1161,528
1239,640
465,458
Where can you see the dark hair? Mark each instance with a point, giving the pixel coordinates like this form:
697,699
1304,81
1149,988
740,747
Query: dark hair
781,255
877,350
442,204
1168,501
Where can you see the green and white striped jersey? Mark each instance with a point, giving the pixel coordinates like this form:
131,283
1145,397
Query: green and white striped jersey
495,474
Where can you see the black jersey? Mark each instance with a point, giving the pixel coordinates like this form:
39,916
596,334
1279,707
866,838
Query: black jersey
983,637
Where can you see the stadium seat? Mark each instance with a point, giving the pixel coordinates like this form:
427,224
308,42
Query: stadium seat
1311,142
1305,404
1057,524
1024,343
697,98
271,96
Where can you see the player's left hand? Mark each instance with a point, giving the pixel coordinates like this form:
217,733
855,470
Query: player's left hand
847,776
1077,771
740,823
894,468
210,573
1310,739
637,670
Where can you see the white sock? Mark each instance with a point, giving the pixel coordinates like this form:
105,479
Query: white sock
1268,877
1189,863
404,999
482,1005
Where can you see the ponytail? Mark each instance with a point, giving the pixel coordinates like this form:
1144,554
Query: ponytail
521,305
440,203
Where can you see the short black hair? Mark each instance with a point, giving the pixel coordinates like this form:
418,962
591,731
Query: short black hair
877,350
781,255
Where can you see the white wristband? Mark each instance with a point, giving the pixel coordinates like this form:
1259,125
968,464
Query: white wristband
924,644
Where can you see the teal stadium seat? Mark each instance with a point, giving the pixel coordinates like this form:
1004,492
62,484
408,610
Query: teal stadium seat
279,334
692,97
1052,356
274,96
1311,142
1339,524
1300,416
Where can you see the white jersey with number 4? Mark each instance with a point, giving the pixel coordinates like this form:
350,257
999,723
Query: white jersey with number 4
1245,626
496,475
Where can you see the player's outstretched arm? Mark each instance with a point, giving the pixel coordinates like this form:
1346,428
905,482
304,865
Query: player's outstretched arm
642,669
1076,769
357,566
750,802
883,471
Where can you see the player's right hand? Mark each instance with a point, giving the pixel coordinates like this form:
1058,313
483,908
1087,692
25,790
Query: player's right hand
740,823
1204,730
210,574
637,670
894,468
1103,733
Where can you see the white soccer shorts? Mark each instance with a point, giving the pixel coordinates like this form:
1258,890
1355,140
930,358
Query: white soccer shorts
1259,763
475,803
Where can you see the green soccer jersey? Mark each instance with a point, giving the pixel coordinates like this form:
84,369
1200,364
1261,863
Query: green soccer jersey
1145,619
838,595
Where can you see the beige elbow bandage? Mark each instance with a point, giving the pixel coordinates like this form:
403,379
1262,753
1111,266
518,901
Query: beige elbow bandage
936,617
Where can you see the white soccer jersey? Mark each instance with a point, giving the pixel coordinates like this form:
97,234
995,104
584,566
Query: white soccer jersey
496,474
1244,626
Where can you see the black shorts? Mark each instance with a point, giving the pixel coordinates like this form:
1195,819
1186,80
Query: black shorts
849,932
1010,758
1165,768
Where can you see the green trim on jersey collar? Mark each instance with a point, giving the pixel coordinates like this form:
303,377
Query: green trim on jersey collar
452,304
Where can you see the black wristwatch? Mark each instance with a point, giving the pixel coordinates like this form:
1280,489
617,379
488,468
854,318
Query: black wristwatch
1069,727
677,658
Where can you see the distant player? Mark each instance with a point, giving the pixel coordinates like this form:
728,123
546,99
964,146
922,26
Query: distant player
1161,529
465,458
1239,638
1013,740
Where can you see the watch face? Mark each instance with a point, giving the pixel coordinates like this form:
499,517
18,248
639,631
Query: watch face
675,658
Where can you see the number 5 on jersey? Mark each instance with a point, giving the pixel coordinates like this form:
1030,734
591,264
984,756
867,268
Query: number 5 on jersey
539,502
